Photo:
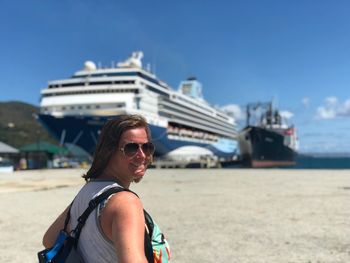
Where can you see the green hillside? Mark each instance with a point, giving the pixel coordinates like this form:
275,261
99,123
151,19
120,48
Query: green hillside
18,125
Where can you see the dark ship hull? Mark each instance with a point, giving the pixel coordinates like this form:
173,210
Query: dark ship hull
261,147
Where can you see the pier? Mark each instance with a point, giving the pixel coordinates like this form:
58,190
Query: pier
204,162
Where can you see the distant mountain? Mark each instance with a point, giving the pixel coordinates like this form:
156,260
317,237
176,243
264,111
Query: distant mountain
18,125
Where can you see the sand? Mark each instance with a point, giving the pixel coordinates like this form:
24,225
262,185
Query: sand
228,215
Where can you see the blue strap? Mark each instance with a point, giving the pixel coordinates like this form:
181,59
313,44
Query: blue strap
58,245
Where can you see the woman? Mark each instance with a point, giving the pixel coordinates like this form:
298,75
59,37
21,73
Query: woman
115,231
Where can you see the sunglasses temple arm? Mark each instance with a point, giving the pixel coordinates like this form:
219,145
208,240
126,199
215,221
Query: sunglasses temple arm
150,161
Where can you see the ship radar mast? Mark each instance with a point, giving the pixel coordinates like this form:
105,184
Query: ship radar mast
89,66
133,61
268,115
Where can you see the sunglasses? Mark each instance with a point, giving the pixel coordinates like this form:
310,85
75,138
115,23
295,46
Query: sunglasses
131,148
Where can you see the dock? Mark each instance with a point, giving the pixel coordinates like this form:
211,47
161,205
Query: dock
206,162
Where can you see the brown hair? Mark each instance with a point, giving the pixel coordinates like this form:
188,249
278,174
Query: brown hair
109,141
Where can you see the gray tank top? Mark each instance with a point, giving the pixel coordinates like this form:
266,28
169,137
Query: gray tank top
93,245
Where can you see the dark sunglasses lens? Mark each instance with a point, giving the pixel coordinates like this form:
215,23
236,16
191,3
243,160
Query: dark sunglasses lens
130,149
148,148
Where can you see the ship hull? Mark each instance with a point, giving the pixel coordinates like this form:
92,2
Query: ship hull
84,131
263,148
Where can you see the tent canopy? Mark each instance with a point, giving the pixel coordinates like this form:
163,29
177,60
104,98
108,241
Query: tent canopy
5,148
43,146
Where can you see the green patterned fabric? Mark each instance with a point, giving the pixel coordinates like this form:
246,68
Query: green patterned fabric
161,249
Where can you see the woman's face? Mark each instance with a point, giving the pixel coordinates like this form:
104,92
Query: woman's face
128,167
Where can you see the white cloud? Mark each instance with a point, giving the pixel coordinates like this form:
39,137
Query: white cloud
306,102
325,113
286,114
332,108
234,110
345,108
330,101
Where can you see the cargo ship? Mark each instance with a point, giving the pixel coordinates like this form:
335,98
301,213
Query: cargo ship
267,140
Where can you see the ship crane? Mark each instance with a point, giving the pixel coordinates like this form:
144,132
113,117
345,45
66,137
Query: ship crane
269,118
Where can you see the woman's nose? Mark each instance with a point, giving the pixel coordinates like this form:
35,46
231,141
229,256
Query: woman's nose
140,153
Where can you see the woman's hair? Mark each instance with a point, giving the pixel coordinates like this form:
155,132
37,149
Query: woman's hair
108,142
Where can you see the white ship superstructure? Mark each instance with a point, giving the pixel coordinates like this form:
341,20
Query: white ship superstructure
181,121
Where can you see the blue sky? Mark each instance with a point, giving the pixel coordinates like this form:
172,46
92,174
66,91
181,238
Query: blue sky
296,52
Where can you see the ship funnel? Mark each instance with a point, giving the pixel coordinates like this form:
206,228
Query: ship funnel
192,88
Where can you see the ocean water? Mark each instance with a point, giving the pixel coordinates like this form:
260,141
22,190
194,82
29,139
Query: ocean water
322,162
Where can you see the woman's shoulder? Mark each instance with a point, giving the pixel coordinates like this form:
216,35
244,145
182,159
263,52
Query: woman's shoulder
122,211
118,194
124,200
96,188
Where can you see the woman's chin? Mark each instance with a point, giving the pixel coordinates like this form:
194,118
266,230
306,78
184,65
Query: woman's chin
137,180
138,176
138,172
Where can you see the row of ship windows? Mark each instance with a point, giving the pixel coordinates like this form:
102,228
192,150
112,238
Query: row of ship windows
221,128
115,74
135,91
218,114
87,83
222,116
103,91
157,91
191,102
88,107
199,106
192,133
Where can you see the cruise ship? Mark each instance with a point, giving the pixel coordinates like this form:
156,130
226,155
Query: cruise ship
182,123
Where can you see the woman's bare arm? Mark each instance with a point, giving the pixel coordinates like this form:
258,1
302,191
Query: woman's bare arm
52,233
123,222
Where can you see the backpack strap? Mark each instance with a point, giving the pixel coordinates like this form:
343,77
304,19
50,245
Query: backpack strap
94,203
148,237
149,222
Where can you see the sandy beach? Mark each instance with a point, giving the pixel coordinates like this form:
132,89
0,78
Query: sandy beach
228,215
